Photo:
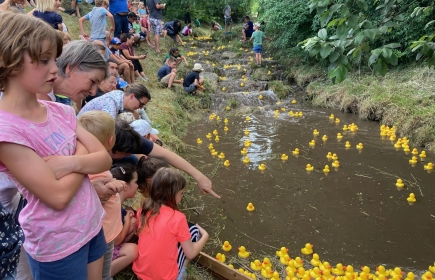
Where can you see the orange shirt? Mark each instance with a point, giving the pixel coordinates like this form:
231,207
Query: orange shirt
157,245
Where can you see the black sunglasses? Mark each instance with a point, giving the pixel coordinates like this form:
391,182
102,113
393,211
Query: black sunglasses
140,102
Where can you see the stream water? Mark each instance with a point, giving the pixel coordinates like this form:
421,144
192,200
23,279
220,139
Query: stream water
353,215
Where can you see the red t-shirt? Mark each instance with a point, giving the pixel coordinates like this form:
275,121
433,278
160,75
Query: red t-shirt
157,245
124,46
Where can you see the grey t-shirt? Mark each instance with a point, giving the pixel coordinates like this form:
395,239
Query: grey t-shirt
154,12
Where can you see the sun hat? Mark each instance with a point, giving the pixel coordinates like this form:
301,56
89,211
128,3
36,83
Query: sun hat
143,127
126,116
115,41
197,67
257,24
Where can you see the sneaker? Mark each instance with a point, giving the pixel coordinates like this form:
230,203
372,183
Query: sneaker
144,78
182,274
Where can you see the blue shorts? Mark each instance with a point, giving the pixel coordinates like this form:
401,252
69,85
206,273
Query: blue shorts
72,267
190,88
258,49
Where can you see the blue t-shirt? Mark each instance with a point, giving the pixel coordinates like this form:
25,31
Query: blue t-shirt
163,71
118,6
250,29
97,18
52,18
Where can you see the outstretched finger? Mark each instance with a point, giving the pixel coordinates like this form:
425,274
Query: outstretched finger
213,193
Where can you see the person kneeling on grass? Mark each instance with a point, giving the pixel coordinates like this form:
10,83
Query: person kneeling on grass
167,73
193,84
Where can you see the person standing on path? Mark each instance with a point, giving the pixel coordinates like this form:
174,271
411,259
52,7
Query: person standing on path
258,37
156,11
228,21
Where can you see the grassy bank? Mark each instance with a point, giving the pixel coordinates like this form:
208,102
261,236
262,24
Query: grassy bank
404,98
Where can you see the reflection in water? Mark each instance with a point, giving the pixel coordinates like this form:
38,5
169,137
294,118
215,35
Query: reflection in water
352,214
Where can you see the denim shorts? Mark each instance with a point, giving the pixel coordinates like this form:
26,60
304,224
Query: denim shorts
258,49
72,267
190,88
156,24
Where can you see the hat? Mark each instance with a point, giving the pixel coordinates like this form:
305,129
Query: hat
143,127
257,24
115,41
126,116
197,67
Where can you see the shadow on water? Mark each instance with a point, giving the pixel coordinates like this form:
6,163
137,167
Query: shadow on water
354,215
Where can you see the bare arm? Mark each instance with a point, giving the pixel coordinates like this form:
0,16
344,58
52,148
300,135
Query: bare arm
160,6
112,21
124,232
128,56
82,28
176,161
185,60
192,249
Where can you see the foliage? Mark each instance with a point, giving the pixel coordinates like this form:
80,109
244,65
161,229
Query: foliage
425,46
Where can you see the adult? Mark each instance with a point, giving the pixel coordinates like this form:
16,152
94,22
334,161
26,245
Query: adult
173,29
45,11
248,28
155,12
228,20
119,10
113,67
108,85
192,82
128,52
167,73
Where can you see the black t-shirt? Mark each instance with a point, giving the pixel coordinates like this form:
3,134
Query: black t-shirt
52,18
190,78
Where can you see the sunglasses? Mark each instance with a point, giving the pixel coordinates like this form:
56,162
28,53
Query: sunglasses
140,102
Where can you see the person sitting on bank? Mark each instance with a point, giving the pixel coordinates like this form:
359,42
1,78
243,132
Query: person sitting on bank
193,84
175,53
167,73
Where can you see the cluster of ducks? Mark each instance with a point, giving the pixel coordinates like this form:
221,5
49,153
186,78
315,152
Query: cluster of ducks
296,269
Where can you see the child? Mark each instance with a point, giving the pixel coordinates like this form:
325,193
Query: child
62,236
258,37
142,11
215,26
193,83
175,53
125,252
138,30
187,30
45,11
163,228
248,29
146,28
97,18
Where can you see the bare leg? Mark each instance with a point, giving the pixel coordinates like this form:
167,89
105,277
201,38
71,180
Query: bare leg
171,78
125,70
127,255
95,269
157,41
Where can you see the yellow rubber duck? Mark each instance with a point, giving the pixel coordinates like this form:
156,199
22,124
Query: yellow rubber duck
428,166
267,272
210,146
298,262
244,151
243,253
413,160
216,138
266,263
422,155
247,143
325,266
396,272
212,116
380,270
226,121
250,207
337,120
432,268
327,275
325,137
247,118
225,128
215,132
312,143
256,265
294,101
260,97
209,136
262,167
227,163
411,198
326,169
359,146
282,252
345,128
339,136
285,259
347,145
224,89
246,132
329,155
300,272
220,257
397,145
350,272
399,183
291,114
427,276
242,84
331,117
296,151
414,152
198,141
315,132
219,118
309,167
406,149
308,249
246,160
227,246
334,156
278,103
338,270
410,276
335,164
300,114
284,157
315,261
282,109
213,152
230,265
315,272
392,137
291,267
221,155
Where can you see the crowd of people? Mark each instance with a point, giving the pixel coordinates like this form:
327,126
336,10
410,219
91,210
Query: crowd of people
76,143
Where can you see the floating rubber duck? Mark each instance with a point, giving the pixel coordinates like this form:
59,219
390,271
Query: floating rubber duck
338,270
308,249
380,270
247,143
427,275
350,272
221,155
294,101
298,262
399,183
246,160
411,198
335,164
347,145
345,128
268,72
215,132
326,169
315,132
337,120
410,276
219,118
217,138
397,145
312,143
250,207
282,252
428,166
230,265
284,157
198,141
227,163
414,151
224,89
325,137
212,116
300,272
329,155
295,152
210,146
243,253
359,146
227,246
334,156
315,272
300,114
331,117
247,118
244,151
213,152
266,263
291,114
282,109
413,160
260,97
278,103
309,167
262,167
325,266
228,108
225,128
246,132
209,136
285,259
392,137
432,268
267,272
256,265
327,275
242,84
220,257
422,155
406,149
396,272
339,136
290,270
315,261
226,121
